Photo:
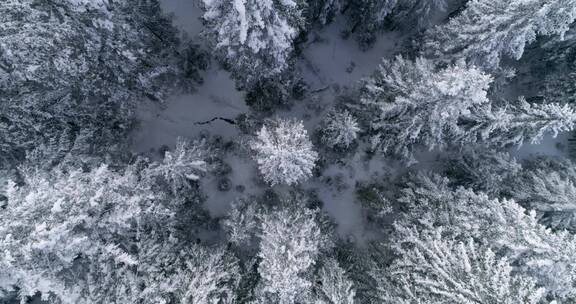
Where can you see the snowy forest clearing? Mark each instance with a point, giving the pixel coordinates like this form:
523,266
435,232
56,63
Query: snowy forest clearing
329,63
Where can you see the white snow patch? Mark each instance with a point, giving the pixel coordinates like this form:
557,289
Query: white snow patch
330,59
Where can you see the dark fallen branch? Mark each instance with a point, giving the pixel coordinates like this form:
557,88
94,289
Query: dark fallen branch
319,90
228,120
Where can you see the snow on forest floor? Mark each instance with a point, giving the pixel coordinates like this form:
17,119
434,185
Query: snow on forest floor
162,124
328,63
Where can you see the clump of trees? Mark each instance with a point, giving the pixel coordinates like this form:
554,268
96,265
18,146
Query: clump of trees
72,72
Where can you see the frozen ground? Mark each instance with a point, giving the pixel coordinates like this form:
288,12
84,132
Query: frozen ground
217,97
328,64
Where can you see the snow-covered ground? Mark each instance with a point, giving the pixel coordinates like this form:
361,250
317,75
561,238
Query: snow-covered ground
217,97
328,63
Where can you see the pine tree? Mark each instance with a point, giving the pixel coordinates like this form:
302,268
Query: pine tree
419,14
291,241
517,122
481,169
418,104
255,38
76,218
339,129
548,186
367,17
487,30
499,224
243,222
182,166
105,236
212,276
323,11
334,287
284,152
433,269
554,68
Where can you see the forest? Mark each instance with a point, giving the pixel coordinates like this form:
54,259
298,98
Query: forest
287,151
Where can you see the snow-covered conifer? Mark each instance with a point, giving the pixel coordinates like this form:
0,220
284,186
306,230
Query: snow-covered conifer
481,169
366,17
254,37
418,104
433,269
65,220
182,166
85,236
499,224
487,30
284,152
548,186
212,275
419,14
243,221
323,11
339,129
291,240
334,284
516,123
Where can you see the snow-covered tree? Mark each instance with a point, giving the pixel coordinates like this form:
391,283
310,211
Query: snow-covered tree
418,104
499,224
182,166
515,123
291,241
323,11
487,30
480,168
254,37
366,17
334,285
243,221
553,69
548,186
213,276
60,221
80,66
339,129
104,236
284,152
433,269
419,14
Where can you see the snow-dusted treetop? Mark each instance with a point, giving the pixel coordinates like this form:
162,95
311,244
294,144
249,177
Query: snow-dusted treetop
290,243
340,129
487,29
284,152
183,165
434,269
422,104
255,36
419,104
